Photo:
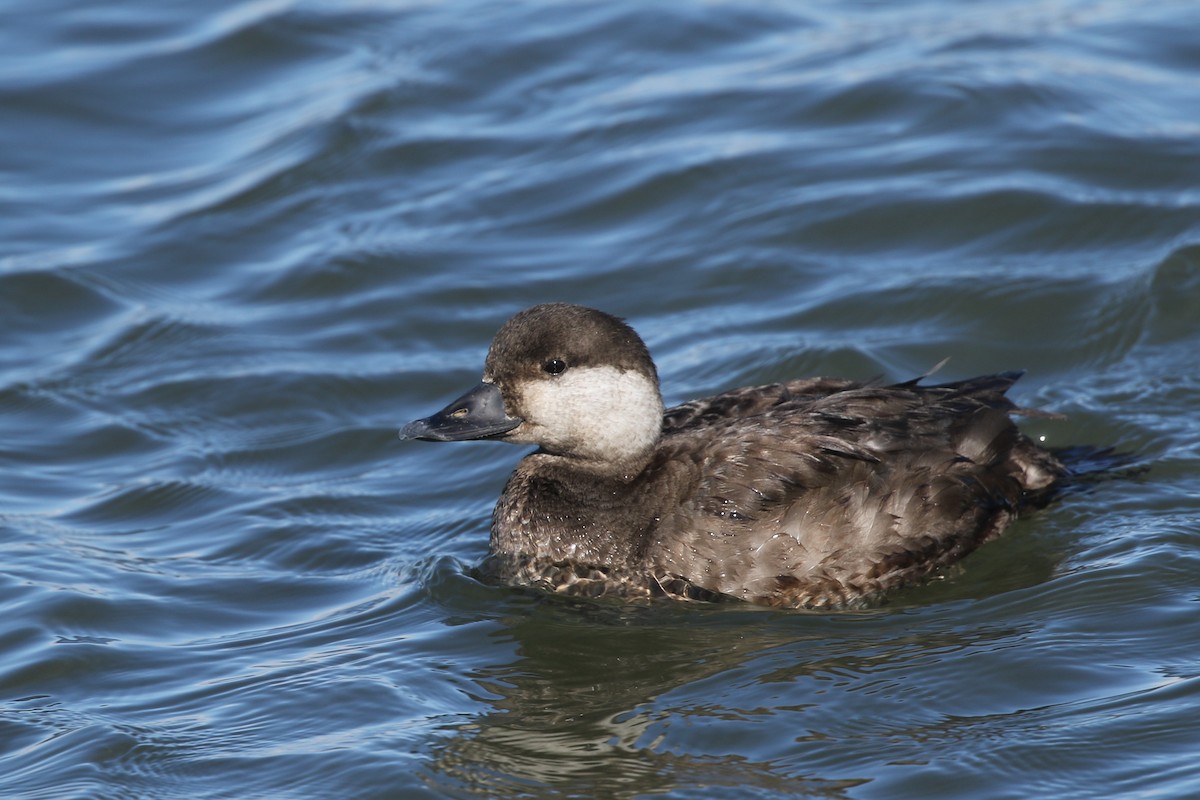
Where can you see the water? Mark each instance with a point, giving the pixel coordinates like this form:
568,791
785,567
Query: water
242,242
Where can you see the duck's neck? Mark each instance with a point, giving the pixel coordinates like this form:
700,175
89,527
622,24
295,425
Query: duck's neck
565,510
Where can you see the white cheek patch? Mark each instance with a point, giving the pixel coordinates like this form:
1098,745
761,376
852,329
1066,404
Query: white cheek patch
600,413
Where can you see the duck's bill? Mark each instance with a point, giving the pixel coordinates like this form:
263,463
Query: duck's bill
478,414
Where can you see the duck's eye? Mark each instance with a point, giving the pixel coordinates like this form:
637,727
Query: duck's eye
555,366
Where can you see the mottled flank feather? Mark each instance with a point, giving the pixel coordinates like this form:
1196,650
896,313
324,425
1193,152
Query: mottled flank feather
825,493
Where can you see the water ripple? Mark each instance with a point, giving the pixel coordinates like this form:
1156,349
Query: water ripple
245,242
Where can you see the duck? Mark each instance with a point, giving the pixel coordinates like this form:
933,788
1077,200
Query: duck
813,493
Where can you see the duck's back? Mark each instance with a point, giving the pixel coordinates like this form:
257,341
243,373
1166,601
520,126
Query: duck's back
828,492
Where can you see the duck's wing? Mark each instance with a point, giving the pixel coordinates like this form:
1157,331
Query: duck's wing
751,401
831,497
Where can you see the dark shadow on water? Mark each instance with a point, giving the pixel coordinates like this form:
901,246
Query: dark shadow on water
574,713
605,700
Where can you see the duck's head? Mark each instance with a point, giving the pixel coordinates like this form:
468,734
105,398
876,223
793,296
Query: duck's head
577,382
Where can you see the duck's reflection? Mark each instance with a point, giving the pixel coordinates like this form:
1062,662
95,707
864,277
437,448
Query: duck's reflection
604,701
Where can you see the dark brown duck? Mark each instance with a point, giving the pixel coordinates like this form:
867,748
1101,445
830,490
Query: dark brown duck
816,493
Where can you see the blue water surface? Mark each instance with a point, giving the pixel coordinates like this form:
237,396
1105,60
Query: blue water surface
242,242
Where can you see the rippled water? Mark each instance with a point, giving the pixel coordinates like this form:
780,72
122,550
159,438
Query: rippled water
242,242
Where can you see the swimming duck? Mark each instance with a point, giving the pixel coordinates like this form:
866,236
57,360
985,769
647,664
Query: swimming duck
814,493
